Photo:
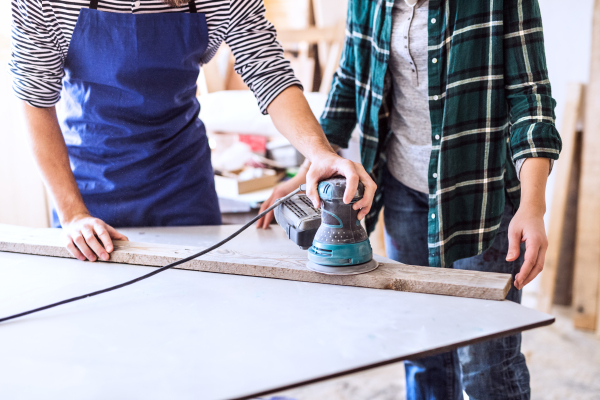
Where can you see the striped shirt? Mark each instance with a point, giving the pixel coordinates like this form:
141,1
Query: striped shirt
42,29
490,105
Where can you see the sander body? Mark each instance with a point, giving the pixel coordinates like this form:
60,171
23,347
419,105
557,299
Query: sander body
336,241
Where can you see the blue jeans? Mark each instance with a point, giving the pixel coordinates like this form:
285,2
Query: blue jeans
489,370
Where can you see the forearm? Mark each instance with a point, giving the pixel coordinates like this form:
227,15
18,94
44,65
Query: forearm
534,175
294,119
50,154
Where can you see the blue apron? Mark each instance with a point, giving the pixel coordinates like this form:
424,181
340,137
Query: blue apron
129,116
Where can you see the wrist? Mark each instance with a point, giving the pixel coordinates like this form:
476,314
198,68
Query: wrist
298,179
533,208
73,215
321,153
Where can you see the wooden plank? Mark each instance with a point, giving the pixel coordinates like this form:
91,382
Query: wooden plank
563,292
564,172
377,237
587,251
390,275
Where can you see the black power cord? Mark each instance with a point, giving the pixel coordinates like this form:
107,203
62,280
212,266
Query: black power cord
166,267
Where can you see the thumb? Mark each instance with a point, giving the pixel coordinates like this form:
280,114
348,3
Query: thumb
312,190
116,235
514,244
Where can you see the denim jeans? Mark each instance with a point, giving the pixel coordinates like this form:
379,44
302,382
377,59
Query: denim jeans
490,370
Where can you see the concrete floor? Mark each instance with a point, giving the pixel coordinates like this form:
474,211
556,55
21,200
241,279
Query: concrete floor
564,364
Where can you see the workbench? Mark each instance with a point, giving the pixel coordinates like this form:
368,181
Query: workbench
198,335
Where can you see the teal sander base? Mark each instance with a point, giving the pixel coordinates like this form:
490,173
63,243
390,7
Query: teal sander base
341,259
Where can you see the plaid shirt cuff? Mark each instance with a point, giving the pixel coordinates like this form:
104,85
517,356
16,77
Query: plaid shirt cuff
535,140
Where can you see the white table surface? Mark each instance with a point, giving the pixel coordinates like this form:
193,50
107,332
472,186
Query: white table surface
194,335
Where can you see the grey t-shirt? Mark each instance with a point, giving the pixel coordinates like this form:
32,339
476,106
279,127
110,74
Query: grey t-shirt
410,145
409,151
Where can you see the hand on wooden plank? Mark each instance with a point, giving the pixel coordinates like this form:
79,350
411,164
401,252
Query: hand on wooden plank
528,223
88,238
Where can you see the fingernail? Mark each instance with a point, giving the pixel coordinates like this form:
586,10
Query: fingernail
104,256
81,258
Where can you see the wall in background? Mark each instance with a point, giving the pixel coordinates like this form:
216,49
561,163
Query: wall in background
568,38
22,196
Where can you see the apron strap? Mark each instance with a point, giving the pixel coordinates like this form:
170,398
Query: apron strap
192,4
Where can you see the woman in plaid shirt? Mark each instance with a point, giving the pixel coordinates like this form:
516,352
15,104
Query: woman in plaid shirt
456,119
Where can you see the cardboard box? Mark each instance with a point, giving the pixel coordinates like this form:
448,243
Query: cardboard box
230,186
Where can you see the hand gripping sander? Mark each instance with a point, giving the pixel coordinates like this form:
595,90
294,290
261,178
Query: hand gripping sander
336,241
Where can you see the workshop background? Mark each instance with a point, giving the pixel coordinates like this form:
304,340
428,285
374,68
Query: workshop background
250,157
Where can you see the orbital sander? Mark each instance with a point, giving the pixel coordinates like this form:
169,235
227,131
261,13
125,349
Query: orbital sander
336,241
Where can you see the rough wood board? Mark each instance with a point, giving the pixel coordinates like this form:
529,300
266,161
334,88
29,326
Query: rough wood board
587,251
390,275
561,195
563,292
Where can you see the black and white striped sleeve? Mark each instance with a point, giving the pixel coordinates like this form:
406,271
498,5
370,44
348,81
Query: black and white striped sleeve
258,56
36,64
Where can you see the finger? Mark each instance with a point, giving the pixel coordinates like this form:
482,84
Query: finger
83,247
267,219
539,265
266,204
363,213
366,202
352,180
104,237
73,249
531,252
514,244
94,244
114,234
312,190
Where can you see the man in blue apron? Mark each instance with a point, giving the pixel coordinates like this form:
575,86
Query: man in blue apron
134,151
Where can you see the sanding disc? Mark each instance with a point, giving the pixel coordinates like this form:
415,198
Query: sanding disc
346,270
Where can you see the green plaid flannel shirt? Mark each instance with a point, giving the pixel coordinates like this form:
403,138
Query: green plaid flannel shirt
490,105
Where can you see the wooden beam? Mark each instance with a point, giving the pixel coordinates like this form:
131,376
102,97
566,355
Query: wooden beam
587,251
563,291
311,35
560,195
390,274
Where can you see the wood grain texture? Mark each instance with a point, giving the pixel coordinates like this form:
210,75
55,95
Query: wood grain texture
390,275
587,251
560,195
563,291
